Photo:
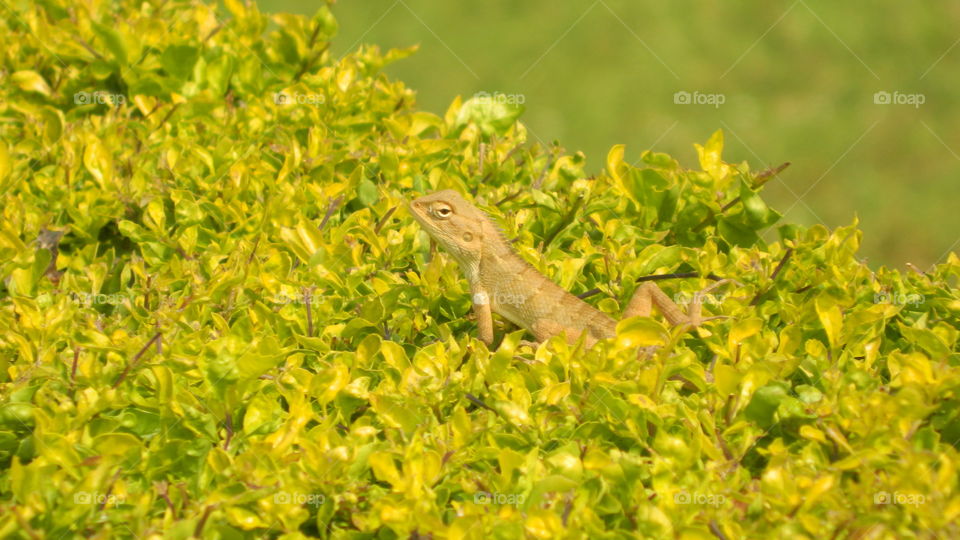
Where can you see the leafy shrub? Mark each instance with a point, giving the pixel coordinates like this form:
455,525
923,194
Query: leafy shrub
241,332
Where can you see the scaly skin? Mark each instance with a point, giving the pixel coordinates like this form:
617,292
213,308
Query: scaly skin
503,283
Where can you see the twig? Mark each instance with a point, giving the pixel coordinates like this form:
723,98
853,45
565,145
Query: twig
136,358
198,531
476,401
760,180
307,294
167,117
229,428
383,220
773,276
715,529
73,369
331,208
509,197
564,223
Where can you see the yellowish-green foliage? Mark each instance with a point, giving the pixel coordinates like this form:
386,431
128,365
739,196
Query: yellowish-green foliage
244,334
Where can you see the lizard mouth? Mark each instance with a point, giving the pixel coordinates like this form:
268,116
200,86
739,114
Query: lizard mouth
417,211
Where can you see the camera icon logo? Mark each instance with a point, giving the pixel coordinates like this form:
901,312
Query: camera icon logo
281,497
881,497
881,98
681,498
682,98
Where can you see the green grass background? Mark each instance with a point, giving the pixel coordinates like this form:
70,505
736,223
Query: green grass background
798,78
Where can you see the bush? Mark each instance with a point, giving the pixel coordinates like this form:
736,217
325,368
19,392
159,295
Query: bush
219,320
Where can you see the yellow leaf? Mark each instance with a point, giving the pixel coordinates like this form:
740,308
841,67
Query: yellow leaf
556,392
115,443
820,486
830,318
384,468
145,104
744,329
615,166
345,78
98,161
6,163
244,519
640,331
813,434
543,524
30,81
643,401
310,237
394,355
509,461
710,157
726,379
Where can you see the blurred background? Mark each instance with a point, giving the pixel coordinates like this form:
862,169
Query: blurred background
862,99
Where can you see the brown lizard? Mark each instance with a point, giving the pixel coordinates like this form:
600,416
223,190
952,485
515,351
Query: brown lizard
501,282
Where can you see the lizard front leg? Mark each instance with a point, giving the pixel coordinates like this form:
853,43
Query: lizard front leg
481,309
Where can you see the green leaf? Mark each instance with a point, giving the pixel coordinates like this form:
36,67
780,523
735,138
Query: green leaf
178,60
736,232
493,114
764,404
114,43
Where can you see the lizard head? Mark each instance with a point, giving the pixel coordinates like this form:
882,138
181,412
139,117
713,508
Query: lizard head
454,223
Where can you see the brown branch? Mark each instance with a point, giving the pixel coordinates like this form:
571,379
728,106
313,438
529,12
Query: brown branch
383,220
564,223
476,401
167,117
136,358
773,276
759,181
307,294
331,208
73,369
229,428
198,531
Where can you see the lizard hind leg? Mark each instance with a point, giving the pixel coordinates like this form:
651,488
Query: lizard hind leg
649,294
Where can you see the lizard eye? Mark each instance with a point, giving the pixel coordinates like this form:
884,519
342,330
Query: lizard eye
442,211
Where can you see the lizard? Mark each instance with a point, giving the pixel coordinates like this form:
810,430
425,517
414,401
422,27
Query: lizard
504,283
